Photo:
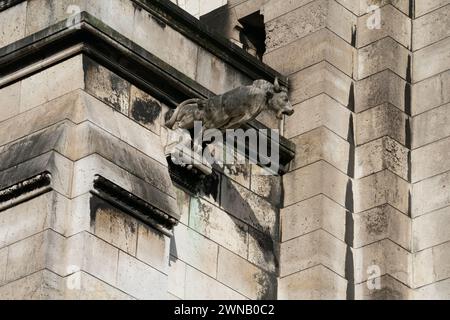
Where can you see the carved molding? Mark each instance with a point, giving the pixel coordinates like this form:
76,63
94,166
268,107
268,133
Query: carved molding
133,205
25,190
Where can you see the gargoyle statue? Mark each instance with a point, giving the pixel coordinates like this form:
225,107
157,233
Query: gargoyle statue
230,110
234,108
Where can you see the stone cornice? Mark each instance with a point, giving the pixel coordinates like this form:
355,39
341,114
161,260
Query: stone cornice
25,190
133,205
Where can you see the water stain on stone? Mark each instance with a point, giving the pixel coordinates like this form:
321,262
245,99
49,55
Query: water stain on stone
145,111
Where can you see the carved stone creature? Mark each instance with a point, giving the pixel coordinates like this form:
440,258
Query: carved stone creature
234,108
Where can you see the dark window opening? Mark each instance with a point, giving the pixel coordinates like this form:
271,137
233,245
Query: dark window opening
253,34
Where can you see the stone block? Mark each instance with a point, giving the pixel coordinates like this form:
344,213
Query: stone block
317,283
3,264
431,60
378,89
436,259
107,86
266,185
51,83
225,77
184,203
422,167
322,45
242,276
218,226
114,226
430,93
318,178
381,188
430,126
380,154
32,217
380,223
194,249
145,110
431,28
426,6
86,252
199,286
321,144
153,248
12,26
431,229
41,285
381,55
317,112
276,8
177,277
140,280
393,23
83,286
249,207
262,251
436,291
313,214
384,120
321,78
44,250
179,51
430,194
389,289
9,101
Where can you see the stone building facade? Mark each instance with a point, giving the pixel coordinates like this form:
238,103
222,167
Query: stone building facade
90,207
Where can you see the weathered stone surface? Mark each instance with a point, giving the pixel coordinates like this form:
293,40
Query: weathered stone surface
425,6
312,284
183,201
384,120
3,264
276,8
41,285
321,144
380,223
194,249
310,215
436,291
381,188
431,60
262,251
318,178
431,229
86,252
32,217
422,167
431,126
249,207
431,28
380,154
9,101
322,45
430,93
436,259
140,280
199,286
380,55
321,78
41,251
177,277
83,286
52,83
390,289
145,110
153,248
244,277
316,112
13,21
218,226
114,226
430,194
266,185
380,88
